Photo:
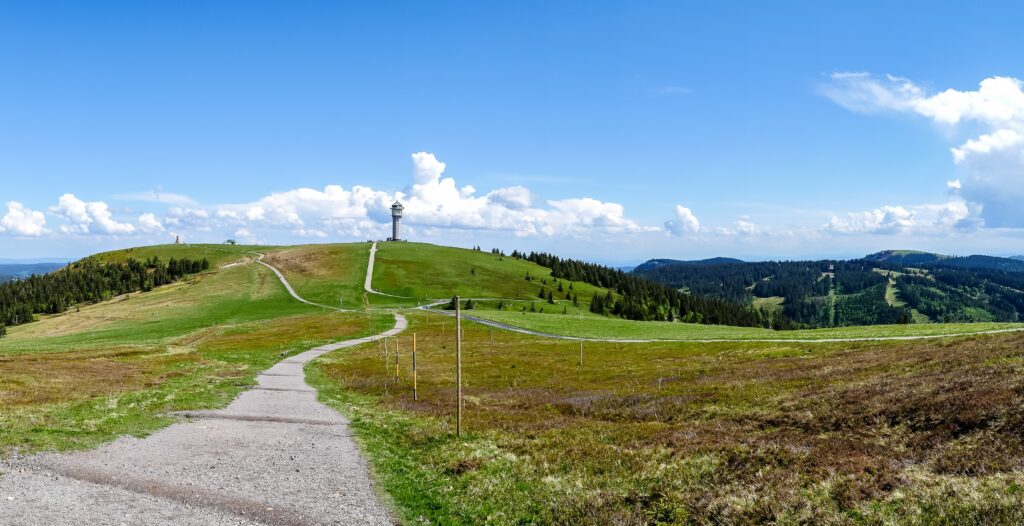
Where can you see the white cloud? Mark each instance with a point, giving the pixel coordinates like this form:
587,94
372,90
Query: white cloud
431,201
159,196
188,218
684,222
148,223
993,161
22,221
91,217
937,219
426,168
986,144
245,236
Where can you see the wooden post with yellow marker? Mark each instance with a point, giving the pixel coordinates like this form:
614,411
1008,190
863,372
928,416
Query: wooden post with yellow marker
415,392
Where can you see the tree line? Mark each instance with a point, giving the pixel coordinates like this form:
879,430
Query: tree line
87,281
634,297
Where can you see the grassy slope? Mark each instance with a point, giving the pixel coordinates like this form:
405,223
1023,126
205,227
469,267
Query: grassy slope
731,433
615,328
327,274
421,270
218,255
87,376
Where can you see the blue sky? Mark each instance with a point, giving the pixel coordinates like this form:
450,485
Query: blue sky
613,131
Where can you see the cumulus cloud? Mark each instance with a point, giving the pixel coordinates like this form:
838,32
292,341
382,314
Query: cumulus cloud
93,217
432,201
149,224
22,221
924,219
685,222
993,161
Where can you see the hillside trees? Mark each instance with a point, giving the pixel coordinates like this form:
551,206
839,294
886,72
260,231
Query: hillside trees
87,281
636,298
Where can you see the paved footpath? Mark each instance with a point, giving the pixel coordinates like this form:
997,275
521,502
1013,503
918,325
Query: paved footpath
275,456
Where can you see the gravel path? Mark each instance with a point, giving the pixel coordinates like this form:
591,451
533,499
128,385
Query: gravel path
275,456
521,330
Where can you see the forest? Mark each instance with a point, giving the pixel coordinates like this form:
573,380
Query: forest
635,297
856,292
87,281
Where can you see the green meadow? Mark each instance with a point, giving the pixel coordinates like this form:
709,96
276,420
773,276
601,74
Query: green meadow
99,371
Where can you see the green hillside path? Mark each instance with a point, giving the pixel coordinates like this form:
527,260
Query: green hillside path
275,455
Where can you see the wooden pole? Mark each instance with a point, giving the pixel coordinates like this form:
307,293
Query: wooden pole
396,360
415,391
581,353
387,357
458,368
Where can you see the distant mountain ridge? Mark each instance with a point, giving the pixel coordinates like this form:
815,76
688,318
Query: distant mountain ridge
928,259
11,271
654,263
891,286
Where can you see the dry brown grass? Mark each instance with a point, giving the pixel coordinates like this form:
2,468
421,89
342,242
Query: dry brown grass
723,433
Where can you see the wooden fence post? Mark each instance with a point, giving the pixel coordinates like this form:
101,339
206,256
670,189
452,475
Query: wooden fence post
397,375
581,352
415,391
458,368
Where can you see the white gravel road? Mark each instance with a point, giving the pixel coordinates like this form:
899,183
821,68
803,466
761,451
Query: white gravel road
274,456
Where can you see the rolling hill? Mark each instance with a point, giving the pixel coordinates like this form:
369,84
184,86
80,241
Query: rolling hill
615,420
893,286
652,264
11,271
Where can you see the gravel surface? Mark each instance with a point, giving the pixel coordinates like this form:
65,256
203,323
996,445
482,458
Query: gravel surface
274,456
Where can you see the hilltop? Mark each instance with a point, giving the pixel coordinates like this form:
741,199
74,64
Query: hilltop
652,264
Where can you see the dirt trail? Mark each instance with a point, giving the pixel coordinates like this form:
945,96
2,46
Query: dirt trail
274,456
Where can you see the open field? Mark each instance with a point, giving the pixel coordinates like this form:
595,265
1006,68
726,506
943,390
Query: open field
923,432
423,271
325,274
772,303
86,376
615,328
218,255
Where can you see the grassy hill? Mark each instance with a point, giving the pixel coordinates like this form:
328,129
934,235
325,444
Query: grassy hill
98,371
654,263
218,255
421,270
328,274
736,432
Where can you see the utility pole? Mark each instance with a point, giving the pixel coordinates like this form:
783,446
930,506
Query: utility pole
458,368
